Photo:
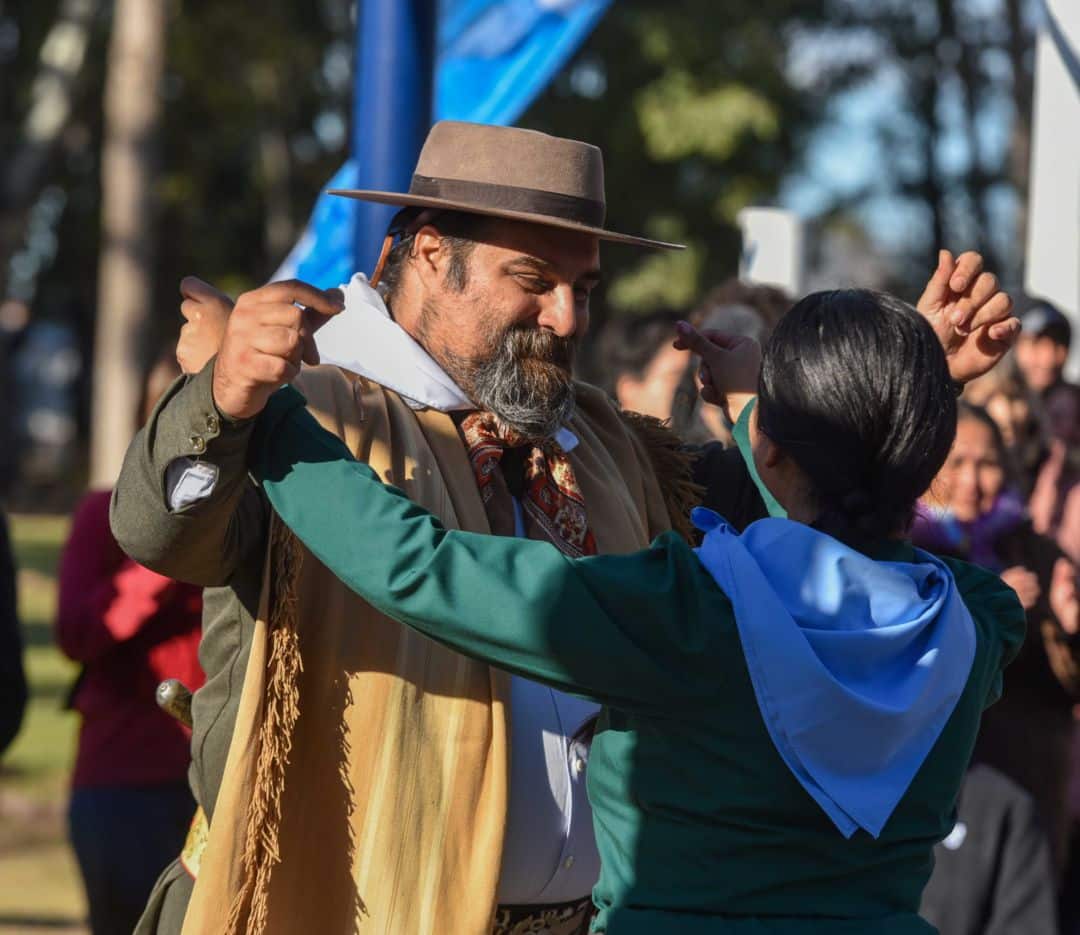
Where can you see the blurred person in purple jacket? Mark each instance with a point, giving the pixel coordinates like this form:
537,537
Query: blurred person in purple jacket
975,513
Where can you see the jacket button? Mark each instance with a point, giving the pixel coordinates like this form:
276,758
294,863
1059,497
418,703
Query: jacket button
212,424
198,444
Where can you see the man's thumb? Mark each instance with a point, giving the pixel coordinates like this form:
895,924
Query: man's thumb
191,287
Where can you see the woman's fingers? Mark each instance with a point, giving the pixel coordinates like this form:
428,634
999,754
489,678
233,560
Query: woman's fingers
968,267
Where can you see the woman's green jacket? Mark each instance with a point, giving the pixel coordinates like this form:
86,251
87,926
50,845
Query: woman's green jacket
700,825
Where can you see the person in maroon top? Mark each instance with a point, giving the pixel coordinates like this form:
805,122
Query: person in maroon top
130,628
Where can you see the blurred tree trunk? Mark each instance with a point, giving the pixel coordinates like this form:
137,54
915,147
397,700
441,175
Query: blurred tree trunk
275,162
24,168
128,169
1021,56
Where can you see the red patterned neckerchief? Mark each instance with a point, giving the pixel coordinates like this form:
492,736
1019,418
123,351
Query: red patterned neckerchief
552,499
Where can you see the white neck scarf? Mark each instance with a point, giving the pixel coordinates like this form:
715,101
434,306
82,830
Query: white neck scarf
364,339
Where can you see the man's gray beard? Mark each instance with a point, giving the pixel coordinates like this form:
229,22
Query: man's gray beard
526,382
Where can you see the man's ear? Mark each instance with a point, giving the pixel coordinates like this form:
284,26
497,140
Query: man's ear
429,256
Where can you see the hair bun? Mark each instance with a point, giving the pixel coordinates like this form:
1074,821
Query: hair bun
856,503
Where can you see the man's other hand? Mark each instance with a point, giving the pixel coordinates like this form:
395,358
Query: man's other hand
206,312
267,337
970,314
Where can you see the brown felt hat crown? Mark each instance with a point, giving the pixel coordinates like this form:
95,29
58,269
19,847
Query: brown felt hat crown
508,172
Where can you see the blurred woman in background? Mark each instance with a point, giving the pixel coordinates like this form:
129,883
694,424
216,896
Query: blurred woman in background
1018,413
129,628
975,512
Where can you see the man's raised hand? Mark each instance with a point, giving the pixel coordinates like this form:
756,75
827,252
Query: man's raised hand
970,314
206,313
267,337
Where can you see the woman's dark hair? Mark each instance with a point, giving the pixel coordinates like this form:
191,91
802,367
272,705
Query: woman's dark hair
855,388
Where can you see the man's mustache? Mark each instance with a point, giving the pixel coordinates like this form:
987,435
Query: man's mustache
531,343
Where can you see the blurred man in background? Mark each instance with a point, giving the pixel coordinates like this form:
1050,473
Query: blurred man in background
647,375
1043,348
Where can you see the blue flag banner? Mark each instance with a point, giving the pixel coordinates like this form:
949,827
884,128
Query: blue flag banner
495,57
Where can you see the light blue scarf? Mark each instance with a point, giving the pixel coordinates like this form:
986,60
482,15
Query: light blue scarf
857,664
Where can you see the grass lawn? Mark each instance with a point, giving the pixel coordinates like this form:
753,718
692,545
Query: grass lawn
39,882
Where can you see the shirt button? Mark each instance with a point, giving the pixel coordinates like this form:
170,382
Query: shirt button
579,766
568,863
198,444
212,424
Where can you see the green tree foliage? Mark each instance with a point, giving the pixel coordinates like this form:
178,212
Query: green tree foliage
256,108
693,107
954,82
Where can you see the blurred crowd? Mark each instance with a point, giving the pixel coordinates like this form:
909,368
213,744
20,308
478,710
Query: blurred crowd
1008,498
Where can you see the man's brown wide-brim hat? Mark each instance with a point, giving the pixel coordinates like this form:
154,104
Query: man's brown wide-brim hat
507,172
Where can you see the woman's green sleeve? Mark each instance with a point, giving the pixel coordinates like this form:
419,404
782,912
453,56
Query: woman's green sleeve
620,629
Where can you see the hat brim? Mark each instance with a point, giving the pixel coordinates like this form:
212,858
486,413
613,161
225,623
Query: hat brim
421,201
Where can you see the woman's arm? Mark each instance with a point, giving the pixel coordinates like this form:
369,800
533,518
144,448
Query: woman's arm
619,629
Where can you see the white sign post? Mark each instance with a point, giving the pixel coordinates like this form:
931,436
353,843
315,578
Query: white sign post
1053,247
772,252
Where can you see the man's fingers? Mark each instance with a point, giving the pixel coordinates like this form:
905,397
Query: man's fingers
278,341
283,314
328,302
268,368
310,354
968,267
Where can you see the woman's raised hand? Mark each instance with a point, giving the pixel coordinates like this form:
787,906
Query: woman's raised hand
730,365
970,314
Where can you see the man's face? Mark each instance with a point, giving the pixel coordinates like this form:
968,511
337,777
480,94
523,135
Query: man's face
1041,360
508,335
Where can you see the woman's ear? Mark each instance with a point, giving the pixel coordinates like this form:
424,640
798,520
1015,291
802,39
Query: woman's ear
771,453
766,452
